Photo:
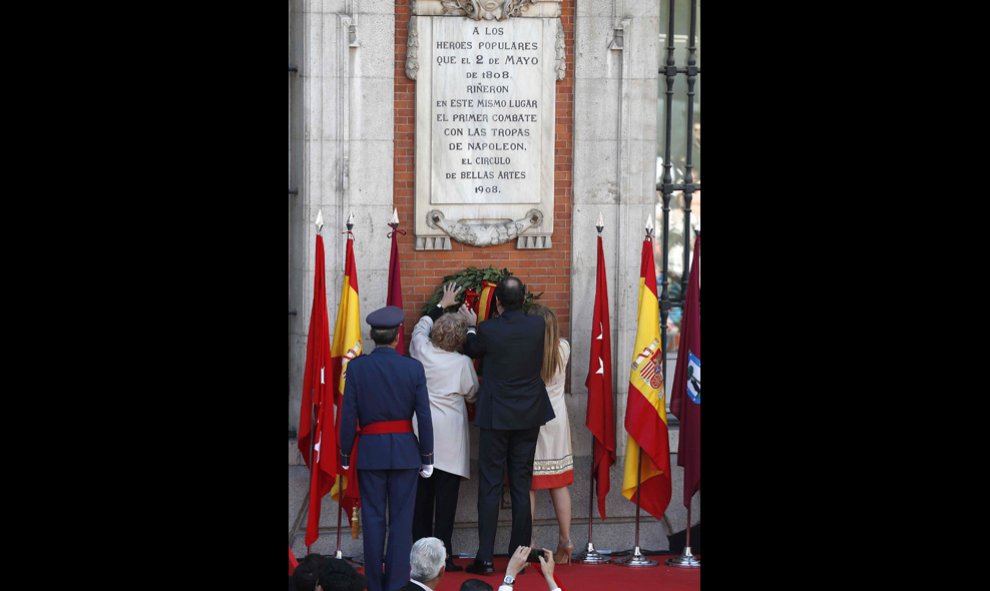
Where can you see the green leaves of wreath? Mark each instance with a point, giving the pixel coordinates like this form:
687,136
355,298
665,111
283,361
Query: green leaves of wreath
472,278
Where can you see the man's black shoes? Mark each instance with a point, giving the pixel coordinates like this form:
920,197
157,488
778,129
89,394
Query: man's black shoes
453,568
481,567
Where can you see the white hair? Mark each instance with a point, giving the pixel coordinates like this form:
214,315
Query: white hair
426,558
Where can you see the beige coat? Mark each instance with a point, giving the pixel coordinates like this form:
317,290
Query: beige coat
450,379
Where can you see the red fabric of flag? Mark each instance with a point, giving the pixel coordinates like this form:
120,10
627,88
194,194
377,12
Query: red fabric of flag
316,414
394,297
293,563
600,419
685,400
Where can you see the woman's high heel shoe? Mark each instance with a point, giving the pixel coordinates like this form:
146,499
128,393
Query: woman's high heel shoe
563,553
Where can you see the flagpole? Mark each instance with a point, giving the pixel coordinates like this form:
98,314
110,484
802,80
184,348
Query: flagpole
686,559
592,556
340,509
637,558
299,519
340,477
312,466
395,298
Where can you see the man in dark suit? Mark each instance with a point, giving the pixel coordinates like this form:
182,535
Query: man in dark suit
382,390
512,406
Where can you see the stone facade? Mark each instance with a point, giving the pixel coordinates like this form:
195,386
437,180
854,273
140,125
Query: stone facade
352,150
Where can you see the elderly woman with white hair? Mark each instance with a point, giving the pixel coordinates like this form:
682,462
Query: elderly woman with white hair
451,381
426,564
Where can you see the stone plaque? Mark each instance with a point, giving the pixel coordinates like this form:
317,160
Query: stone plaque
485,93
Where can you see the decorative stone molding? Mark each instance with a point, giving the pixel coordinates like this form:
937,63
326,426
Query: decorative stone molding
561,63
533,242
489,10
412,49
432,243
484,234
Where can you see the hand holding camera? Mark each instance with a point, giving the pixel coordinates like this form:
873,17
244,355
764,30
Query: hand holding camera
535,553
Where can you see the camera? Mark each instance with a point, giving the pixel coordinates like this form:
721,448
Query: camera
534,555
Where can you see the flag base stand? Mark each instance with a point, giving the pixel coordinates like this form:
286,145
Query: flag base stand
637,559
591,556
348,559
685,560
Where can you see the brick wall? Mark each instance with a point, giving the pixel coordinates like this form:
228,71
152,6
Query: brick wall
549,270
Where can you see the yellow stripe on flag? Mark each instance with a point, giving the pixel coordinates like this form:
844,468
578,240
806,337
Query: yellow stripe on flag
347,331
647,469
647,351
486,301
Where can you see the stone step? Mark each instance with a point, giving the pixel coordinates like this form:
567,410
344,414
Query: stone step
615,533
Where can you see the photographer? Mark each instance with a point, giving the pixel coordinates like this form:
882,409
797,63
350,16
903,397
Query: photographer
517,562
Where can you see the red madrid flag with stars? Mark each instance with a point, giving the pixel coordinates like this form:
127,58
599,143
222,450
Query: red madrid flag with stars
316,415
601,416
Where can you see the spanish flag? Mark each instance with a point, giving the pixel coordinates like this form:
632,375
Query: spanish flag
646,415
346,346
484,306
486,302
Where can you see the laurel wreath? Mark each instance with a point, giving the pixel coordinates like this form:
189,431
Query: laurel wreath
472,278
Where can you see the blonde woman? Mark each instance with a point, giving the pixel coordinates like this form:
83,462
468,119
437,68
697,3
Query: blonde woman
553,467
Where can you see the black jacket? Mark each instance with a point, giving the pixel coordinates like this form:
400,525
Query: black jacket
512,393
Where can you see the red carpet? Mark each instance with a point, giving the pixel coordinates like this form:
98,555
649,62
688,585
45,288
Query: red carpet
583,577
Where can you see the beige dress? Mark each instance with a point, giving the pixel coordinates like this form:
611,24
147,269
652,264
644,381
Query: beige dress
554,463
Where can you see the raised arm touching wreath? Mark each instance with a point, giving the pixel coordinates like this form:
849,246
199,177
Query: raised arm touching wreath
471,279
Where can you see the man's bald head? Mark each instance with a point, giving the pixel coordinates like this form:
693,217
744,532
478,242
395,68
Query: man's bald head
511,293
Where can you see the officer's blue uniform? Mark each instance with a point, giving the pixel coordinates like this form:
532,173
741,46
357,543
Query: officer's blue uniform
381,387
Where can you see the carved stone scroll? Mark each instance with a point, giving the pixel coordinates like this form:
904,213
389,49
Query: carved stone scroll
485,9
484,234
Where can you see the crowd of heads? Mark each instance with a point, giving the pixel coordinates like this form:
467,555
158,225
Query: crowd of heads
318,572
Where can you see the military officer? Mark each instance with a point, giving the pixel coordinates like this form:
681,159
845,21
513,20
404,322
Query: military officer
382,390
